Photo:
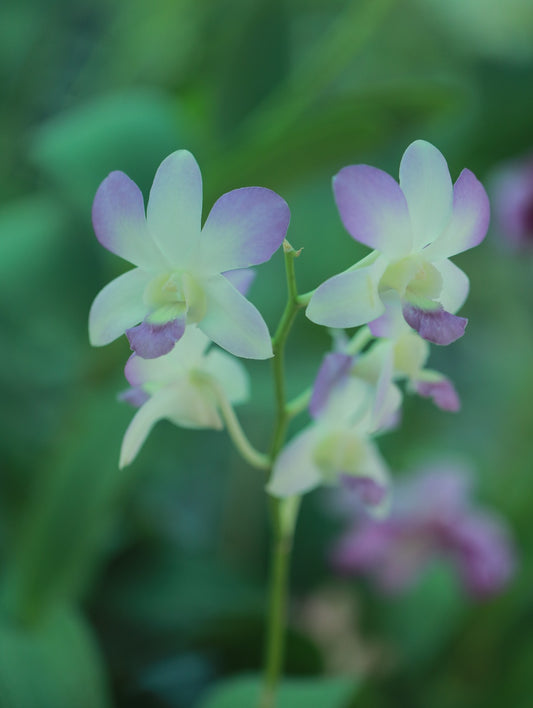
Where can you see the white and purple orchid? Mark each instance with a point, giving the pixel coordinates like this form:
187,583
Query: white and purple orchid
337,446
415,227
181,275
432,516
181,387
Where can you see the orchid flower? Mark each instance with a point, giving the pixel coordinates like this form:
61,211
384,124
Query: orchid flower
432,516
181,268
182,387
337,446
415,227
512,186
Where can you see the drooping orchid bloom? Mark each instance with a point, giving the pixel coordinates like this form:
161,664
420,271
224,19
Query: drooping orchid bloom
179,387
337,446
180,274
415,227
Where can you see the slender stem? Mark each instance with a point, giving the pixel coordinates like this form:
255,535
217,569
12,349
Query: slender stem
359,340
305,298
238,436
277,611
299,403
282,532
247,450
278,347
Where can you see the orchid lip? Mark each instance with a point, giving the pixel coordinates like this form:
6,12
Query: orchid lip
150,341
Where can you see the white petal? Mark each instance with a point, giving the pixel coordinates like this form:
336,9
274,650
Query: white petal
295,471
349,402
186,354
174,210
234,323
230,373
469,220
120,224
244,228
159,406
349,299
185,405
118,306
425,180
373,209
455,285
388,396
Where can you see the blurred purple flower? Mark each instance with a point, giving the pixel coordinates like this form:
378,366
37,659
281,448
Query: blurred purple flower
432,516
512,186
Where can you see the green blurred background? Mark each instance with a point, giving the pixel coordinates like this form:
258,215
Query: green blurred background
145,587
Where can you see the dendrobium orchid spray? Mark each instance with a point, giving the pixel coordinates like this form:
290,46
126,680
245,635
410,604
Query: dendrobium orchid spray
184,303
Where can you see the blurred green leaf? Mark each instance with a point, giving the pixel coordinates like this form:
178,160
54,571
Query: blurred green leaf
130,131
54,665
70,512
31,232
293,693
163,589
422,620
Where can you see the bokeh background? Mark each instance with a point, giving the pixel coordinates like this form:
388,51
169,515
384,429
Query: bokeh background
146,587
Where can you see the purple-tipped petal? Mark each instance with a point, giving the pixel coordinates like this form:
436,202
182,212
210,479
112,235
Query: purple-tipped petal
425,180
470,218
369,492
334,369
244,228
373,209
349,299
120,224
234,323
135,396
118,306
150,341
442,393
241,279
174,210
437,326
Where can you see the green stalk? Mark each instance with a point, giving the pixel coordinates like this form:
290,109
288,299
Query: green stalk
282,523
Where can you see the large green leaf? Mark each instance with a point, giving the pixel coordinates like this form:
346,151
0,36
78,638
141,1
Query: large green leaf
130,131
293,693
53,665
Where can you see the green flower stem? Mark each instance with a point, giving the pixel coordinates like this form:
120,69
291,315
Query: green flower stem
304,299
282,523
359,341
238,437
299,403
277,609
